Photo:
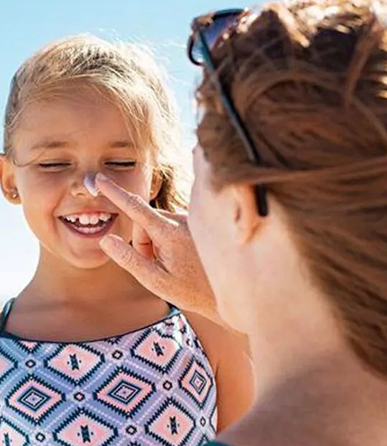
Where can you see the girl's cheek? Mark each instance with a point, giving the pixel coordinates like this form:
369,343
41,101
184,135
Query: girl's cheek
42,179
43,184
134,181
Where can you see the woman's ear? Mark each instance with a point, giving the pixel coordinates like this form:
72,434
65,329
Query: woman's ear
7,180
246,217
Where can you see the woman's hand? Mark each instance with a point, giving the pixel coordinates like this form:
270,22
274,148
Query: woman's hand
162,255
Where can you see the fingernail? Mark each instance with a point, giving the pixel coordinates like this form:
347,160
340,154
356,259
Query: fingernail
106,243
101,177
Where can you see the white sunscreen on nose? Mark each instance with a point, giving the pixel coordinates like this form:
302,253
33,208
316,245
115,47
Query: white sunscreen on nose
89,183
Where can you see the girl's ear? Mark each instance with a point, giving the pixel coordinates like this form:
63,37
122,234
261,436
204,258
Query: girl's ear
7,180
157,182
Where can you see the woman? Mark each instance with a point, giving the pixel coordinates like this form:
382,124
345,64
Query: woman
297,263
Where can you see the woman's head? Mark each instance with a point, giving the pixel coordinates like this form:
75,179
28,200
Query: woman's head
309,81
85,105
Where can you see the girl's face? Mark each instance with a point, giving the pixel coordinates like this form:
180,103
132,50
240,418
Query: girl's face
55,145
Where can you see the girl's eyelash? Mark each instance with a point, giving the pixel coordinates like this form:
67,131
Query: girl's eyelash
48,165
108,163
121,163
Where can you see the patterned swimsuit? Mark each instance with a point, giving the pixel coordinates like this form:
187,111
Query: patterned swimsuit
149,387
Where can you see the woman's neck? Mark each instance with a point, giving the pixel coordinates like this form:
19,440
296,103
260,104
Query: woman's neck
311,387
336,402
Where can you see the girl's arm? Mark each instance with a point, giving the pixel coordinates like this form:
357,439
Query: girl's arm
229,357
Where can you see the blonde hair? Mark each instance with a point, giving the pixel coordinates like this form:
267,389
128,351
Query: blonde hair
309,79
126,74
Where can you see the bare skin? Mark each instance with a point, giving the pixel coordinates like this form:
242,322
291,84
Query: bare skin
317,407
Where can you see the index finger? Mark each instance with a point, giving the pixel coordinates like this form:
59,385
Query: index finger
132,205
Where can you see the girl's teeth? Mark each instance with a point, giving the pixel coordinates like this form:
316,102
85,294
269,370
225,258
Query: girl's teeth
94,220
84,220
90,230
104,217
89,219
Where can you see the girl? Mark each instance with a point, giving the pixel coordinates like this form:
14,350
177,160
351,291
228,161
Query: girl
87,355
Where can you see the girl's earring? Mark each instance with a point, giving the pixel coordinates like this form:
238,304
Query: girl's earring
14,194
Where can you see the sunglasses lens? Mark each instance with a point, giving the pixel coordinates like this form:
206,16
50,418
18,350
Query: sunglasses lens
211,34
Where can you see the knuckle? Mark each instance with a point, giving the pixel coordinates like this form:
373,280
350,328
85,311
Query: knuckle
133,202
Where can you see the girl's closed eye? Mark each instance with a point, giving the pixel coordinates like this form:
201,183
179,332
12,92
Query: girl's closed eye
121,164
54,165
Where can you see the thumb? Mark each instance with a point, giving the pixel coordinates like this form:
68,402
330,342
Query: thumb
143,269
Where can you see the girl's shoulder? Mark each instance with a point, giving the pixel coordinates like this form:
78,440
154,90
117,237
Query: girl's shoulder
234,384
216,340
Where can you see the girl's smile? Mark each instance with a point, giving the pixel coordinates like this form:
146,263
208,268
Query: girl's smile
60,145
90,224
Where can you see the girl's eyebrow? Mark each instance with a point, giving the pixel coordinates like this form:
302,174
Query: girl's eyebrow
61,144
50,144
121,144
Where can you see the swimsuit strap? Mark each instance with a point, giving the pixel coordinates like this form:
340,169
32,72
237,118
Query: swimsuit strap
5,314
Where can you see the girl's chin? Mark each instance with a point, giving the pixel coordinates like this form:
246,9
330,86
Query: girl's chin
85,259
91,262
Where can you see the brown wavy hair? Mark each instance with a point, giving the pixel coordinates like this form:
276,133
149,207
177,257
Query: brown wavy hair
309,79
125,74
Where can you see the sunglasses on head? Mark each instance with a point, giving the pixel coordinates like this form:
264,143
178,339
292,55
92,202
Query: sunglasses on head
207,32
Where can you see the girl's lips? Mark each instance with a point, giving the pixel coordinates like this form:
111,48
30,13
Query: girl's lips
95,232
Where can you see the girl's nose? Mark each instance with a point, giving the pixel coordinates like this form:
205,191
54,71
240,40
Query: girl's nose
84,185
89,183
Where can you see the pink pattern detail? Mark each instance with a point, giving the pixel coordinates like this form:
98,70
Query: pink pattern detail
28,345
74,362
84,430
125,392
14,437
158,350
172,425
197,382
5,365
36,394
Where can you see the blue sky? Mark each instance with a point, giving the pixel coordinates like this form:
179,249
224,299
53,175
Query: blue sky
26,25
